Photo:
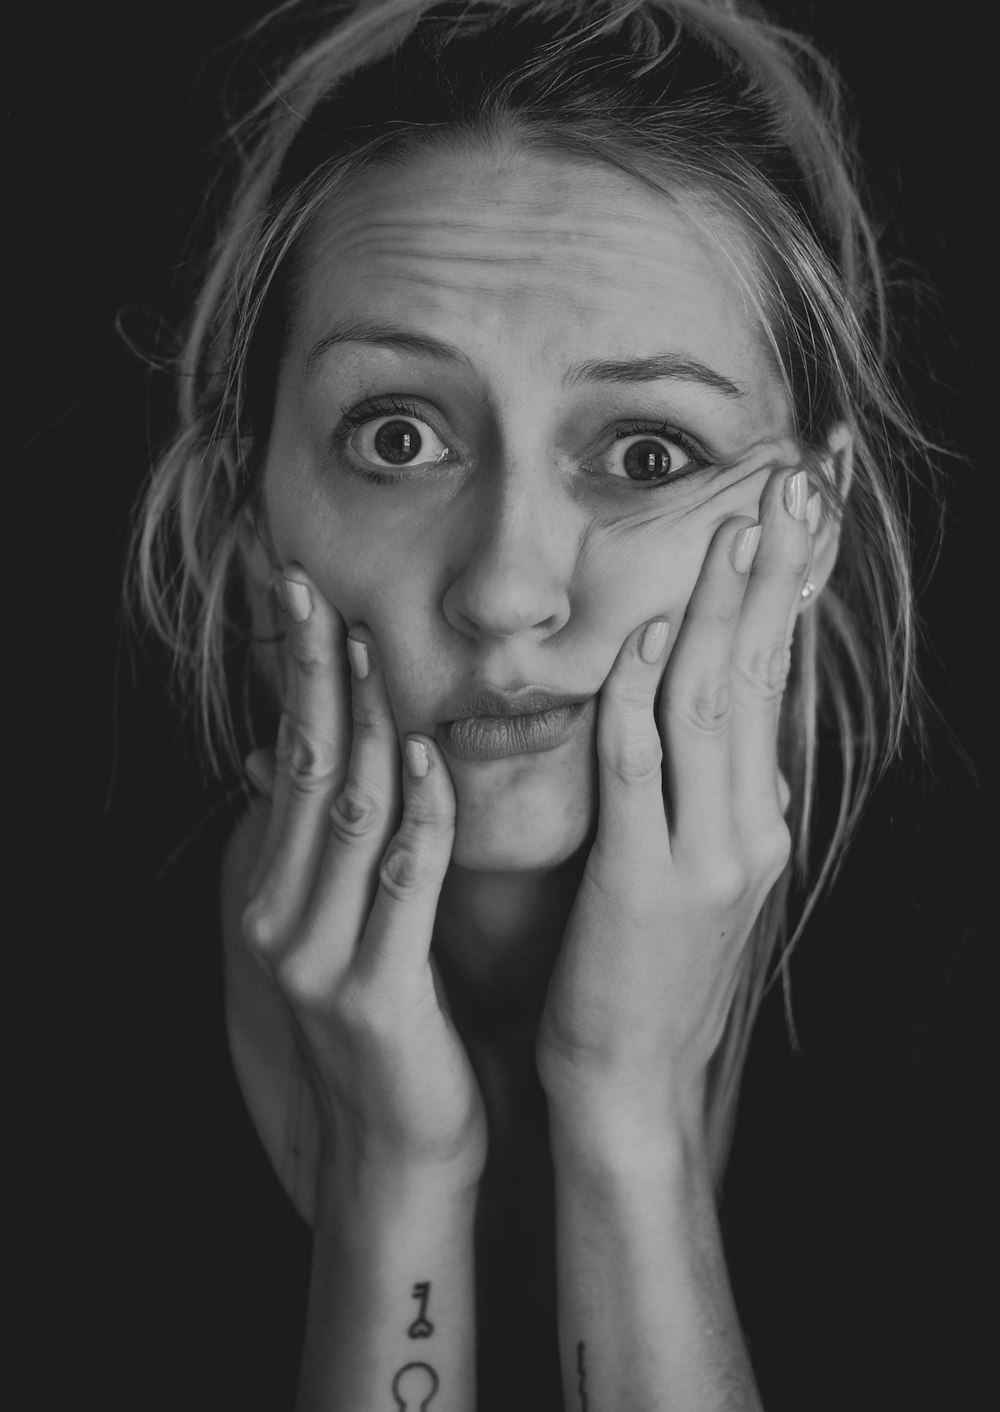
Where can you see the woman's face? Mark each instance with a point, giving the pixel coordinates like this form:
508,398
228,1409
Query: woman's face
519,396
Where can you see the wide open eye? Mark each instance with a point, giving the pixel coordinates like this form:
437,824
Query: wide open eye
397,440
648,457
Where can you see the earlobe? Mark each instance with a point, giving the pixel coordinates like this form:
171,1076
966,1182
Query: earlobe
834,472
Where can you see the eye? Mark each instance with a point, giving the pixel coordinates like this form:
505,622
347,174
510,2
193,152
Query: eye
397,439
650,457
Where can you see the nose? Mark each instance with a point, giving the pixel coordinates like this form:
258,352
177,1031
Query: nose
517,550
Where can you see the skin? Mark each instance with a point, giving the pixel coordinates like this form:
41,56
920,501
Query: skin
517,552
510,564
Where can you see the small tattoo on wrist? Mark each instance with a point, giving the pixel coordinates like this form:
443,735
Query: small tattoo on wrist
421,1326
414,1386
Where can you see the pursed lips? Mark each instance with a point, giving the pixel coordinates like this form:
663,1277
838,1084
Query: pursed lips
502,702
492,723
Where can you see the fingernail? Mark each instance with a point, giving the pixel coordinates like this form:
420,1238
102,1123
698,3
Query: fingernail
357,654
298,600
744,547
257,773
653,640
416,757
814,508
795,493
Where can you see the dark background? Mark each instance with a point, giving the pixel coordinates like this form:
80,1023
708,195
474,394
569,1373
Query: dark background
112,109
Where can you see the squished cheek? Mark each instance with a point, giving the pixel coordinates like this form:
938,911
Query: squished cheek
633,570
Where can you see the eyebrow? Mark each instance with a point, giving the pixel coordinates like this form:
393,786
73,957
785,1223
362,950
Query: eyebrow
400,340
675,366
655,368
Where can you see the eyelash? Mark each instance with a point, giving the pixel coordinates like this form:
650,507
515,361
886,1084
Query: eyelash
353,417
665,432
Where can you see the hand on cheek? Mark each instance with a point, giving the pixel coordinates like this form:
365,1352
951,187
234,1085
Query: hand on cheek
650,960
341,907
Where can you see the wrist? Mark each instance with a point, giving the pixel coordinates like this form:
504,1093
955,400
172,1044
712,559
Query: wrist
616,1126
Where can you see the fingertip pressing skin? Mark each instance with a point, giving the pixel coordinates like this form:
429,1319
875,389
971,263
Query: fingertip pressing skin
654,640
744,548
417,759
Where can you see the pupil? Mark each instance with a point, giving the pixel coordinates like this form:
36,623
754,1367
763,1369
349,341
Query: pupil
397,442
646,460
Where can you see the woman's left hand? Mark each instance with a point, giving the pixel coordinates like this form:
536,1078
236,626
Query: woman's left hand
691,836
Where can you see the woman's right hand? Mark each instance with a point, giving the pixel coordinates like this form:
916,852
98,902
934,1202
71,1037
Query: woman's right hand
342,905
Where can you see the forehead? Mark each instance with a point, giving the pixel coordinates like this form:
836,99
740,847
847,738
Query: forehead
534,257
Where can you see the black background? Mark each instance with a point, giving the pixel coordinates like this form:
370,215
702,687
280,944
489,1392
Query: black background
111,112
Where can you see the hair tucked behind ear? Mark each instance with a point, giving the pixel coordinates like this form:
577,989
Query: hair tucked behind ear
703,100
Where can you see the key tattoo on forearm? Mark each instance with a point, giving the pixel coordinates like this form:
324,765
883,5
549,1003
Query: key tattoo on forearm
421,1326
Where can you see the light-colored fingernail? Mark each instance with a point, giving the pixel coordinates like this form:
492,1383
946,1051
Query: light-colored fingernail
298,600
357,655
744,547
795,493
653,640
814,508
258,772
417,759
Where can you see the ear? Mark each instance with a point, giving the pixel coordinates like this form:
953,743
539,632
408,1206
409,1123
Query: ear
833,468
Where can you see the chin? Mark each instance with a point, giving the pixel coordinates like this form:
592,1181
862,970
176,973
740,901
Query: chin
520,829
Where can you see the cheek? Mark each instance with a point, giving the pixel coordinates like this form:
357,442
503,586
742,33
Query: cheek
647,565
356,560
629,573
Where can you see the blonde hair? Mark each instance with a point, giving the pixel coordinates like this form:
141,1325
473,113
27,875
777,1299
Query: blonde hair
702,97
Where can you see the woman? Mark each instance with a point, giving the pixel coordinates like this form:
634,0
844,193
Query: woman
535,431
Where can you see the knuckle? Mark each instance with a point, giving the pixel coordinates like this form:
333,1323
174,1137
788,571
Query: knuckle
706,707
725,610
297,981
308,656
427,813
365,717
634,761
765,672
355,813
632,695
311,763
774,848
402,872
727,882
259,927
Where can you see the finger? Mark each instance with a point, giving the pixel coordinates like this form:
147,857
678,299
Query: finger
362,814
310,760
260,767
279,799
631,819
695,705
762,656
398,936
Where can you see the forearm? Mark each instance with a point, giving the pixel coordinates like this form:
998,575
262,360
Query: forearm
646,1314
391,1302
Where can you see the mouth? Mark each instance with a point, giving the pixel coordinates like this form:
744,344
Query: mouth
492,724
